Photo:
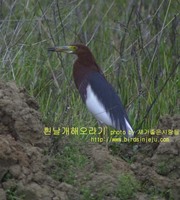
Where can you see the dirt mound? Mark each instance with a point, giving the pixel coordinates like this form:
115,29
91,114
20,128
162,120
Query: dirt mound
22,172
158,166
25,170
33,167
21,157
19,115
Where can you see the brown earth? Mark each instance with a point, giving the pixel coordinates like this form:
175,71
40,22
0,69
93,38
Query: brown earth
27,160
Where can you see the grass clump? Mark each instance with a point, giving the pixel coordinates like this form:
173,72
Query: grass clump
67,164
12,194
127,187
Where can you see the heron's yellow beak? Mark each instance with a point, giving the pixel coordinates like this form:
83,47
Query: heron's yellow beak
66,49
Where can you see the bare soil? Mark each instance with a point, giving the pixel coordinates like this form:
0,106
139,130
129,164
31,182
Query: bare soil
26,159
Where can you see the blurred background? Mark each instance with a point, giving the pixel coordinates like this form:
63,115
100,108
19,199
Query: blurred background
136,43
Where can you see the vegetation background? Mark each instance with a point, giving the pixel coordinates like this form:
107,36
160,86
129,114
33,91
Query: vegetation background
136,43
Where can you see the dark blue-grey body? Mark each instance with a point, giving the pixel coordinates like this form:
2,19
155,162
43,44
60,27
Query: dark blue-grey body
101,94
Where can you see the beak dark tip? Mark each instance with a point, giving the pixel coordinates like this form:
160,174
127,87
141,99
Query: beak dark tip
51,49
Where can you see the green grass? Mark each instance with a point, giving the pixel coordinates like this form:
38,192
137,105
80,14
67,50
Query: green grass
67,163
128,187
162,168
11,194
136,46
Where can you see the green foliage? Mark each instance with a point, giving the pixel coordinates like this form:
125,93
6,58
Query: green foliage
128,187
6,177
67,163
11,194
87,194
162,168
135,44
156,193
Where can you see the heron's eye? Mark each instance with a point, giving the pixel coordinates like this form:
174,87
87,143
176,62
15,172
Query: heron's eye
74,48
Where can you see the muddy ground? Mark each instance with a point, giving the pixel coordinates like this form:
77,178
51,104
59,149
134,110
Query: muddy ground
27,162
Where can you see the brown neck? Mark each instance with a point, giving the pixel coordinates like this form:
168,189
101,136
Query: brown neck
83,66
87,60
